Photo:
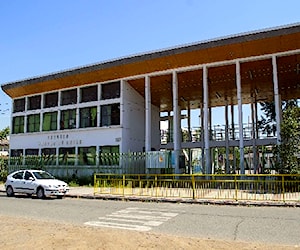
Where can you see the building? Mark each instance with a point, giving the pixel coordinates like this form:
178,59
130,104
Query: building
146,102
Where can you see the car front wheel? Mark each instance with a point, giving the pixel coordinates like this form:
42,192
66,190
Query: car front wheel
9,191
40,193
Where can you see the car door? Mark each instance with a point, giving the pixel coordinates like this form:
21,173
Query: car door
28,183
17,182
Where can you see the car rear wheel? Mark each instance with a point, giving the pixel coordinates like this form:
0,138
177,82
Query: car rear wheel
10,191
40,193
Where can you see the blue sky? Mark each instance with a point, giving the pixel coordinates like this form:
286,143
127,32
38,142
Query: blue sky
43,36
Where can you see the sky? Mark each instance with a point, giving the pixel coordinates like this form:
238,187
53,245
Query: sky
39,37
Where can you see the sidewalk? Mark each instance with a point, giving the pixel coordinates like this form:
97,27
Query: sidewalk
88,193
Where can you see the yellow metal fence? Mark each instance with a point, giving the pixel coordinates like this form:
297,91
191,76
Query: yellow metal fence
284,188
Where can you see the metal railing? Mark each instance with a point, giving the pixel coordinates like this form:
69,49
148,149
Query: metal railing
282,188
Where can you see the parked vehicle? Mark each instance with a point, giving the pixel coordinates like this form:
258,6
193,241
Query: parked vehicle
35,182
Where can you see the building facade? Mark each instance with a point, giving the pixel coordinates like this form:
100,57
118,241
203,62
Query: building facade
163,100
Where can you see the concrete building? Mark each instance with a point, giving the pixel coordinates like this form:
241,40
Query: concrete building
147,102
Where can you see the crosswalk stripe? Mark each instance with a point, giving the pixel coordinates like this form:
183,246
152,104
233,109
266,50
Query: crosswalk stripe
134,219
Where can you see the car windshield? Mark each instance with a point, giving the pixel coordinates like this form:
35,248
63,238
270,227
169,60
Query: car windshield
42,175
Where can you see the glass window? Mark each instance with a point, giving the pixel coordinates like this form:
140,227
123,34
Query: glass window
88,117
50,121
110,90
87,156
33,123
19,105
89,94
109,155
67,156
68,119
34,102
49,156
30,151
16,152
110,114
18,175
69,97
18,125
50,100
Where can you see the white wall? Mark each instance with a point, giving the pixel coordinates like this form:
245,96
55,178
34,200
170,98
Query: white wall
68,138
133,136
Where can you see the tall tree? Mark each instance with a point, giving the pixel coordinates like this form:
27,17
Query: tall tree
288,152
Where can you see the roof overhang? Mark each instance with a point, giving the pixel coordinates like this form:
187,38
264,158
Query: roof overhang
222,78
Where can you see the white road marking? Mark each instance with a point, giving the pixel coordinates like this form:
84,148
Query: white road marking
134,219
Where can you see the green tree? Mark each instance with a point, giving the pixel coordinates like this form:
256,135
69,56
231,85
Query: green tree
287,153
4,133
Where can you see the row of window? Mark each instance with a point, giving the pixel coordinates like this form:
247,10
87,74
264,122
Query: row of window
88,117
67,97
66,156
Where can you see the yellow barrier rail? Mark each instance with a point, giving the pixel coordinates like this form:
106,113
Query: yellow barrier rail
257,187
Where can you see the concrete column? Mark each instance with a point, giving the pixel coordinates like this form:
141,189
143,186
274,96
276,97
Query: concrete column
148,114
240,113
208,168
176,122
226,139
277,99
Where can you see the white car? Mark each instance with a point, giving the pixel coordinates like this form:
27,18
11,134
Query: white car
38,182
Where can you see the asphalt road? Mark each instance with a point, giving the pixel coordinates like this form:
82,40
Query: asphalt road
277,225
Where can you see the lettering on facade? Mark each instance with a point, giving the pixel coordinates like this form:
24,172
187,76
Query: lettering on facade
62,140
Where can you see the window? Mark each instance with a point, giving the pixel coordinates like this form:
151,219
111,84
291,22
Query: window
16,152
30,151
67,156
33,123
110,114
87,156
109,155
50,100
88,117
89,94
34,102
50,121
68,119
69,97
18,125
31,157
19,105
18,175
110,90
49,156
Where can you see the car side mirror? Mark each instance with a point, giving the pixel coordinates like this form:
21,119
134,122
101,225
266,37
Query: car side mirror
31,179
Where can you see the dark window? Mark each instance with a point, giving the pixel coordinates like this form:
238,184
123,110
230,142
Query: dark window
34,102
109,149
19,175
19,105
48,151
18,125
50,100
89,94
68,119
28,175
67,156
30,151
87,156
50,121
33,123
110,114
110,90
88,117
16,152
69,97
